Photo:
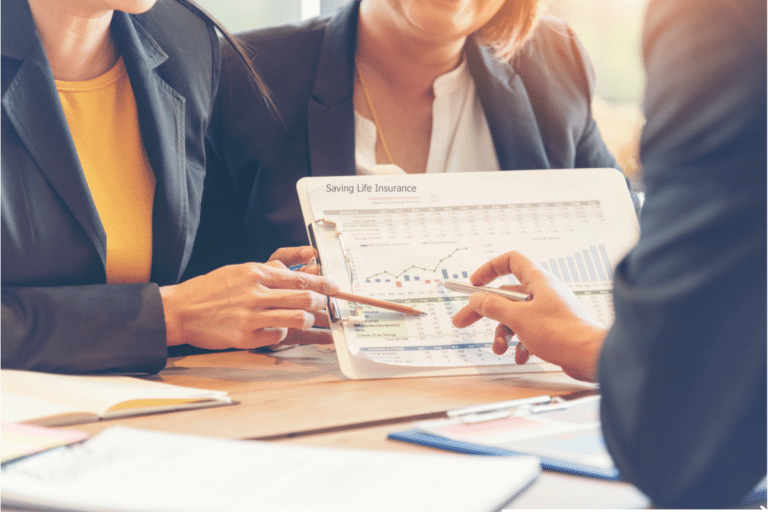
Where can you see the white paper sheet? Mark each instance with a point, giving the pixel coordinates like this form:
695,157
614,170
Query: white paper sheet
131,470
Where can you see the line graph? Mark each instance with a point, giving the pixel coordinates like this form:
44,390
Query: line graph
417,267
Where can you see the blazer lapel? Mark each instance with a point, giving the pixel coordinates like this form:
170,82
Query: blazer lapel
33,108
330,111
162,122
508,109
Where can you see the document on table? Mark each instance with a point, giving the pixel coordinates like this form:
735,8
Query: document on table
402,235
134,470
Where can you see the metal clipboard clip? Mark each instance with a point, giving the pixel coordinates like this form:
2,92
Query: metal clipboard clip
498,410
333,308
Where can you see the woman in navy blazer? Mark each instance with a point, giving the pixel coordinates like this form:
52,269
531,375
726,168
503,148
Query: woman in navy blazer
536,104
58,312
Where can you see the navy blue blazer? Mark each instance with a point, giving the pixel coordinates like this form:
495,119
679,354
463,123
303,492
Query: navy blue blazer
57,312
683,369
537,107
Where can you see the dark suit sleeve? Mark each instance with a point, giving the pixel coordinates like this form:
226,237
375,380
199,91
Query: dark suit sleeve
683,369
85,328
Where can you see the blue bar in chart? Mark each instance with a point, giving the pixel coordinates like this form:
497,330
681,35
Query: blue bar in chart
606,261
598,266
588,265
553,268
587,259
580,263
572,267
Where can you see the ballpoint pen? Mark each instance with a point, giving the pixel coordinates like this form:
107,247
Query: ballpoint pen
462,287
377,303
498,406
369,301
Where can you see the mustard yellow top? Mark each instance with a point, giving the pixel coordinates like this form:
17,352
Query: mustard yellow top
104,123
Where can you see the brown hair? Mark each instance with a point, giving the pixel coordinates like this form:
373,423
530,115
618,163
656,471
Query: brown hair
237,46
511,27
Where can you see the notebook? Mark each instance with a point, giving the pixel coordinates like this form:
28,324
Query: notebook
48,399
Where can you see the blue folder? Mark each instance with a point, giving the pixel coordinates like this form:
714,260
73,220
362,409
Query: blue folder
422,438
756,497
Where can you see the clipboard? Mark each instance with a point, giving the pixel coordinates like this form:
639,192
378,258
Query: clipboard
394,237
574,449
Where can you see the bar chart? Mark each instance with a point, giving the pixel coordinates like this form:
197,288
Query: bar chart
589,265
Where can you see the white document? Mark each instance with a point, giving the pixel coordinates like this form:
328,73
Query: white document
131,470
402,235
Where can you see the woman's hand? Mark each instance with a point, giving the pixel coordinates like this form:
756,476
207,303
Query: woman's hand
552,325
303,255
243,306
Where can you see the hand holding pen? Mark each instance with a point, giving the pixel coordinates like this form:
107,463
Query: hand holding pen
552,324
503,334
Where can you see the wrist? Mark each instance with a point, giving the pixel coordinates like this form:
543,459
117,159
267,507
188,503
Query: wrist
173,331
590,351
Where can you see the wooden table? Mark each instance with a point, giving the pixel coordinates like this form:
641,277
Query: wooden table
301,390
300,396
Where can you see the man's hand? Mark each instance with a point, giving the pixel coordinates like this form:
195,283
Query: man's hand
552,325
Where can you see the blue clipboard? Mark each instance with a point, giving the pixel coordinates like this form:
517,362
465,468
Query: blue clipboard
425,439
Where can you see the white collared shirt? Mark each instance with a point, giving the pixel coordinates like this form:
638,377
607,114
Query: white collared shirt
461,140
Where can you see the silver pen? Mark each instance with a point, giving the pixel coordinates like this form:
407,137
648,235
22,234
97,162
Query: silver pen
499,406
462,287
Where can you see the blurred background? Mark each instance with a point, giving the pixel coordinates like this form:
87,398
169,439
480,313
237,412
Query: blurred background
609,29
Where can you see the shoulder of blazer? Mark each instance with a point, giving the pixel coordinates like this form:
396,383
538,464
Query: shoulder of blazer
554,55
320,51
18,40
189,44
18,34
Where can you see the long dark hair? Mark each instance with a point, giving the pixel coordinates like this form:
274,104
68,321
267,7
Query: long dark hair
237,46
